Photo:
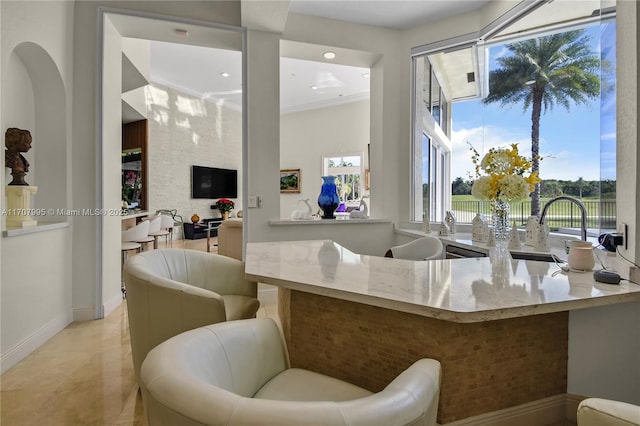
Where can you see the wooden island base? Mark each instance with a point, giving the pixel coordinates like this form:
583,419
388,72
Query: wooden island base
486,366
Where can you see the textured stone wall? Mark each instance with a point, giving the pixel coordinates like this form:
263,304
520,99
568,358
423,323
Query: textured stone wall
485,366
185,130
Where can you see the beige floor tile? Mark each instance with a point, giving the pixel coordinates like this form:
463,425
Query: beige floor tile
81,376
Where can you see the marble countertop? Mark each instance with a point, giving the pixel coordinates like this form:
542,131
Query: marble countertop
459,290
134,214
339,220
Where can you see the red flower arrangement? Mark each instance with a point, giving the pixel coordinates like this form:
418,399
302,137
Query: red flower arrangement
225,205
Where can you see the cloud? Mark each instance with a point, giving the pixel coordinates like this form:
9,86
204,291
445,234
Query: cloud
608,136
482,139
563,165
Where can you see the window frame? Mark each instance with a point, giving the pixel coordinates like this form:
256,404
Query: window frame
348,170
481,41
436,199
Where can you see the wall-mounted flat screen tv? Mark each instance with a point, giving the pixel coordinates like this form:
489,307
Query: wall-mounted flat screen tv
212,182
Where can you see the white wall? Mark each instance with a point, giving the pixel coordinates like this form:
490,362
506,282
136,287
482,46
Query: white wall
86,149
19,113
35,272
185,130
604,344
111,159
627,152
306,136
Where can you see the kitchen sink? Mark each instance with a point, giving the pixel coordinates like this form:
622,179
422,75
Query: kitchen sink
542,257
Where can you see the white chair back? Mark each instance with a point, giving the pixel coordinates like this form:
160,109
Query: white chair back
155,223
137,233
166,222
424,248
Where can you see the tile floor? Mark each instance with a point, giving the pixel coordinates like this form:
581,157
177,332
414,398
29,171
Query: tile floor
83,375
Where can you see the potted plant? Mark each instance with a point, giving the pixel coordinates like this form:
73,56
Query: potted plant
224,205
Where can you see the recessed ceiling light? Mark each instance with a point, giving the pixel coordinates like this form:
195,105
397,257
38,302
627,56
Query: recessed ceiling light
181,32
329,55
314,87
224,74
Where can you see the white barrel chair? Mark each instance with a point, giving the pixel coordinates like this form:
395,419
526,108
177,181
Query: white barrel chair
424,248
230,238
174,290
605,412
236,373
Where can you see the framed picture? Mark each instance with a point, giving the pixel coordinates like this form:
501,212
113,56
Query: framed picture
290,181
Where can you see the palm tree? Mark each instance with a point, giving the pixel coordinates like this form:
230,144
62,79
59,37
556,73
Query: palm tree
542,73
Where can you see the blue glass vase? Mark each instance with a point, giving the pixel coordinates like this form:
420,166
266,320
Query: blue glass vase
328,199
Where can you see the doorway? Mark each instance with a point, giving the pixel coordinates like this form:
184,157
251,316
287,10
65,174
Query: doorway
117,28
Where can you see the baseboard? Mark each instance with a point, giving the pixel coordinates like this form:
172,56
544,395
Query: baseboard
572,406
111,304
87,313
20,351
541,412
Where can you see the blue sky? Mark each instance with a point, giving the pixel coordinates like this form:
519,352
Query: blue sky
570,142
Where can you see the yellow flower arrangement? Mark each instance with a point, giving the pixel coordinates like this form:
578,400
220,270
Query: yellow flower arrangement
501,175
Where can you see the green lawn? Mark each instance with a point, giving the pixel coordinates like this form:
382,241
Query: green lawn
560,214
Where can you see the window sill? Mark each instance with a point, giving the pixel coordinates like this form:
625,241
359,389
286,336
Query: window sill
337,221
40,227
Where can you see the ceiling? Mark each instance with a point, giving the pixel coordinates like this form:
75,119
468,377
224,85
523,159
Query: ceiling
312,83
396,14
216,75
304,84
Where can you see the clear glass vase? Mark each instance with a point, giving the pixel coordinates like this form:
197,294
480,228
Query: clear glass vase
501,221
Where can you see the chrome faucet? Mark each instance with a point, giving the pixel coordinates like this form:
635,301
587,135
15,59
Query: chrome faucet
583,210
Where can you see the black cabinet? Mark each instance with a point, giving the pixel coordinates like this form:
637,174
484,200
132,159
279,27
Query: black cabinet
194,231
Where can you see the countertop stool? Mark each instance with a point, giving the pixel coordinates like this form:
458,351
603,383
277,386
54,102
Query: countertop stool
166,228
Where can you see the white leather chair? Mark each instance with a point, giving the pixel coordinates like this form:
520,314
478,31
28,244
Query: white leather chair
236,373
230,238
173,290
605,412
424,248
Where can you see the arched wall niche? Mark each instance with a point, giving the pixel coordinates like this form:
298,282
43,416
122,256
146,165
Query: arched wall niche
48,169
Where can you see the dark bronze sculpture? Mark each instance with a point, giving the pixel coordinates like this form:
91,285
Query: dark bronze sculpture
17,141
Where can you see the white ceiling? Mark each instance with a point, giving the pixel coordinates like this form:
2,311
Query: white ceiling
397,14
197,70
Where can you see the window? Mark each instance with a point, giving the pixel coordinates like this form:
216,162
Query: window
458,70
431,147
349,172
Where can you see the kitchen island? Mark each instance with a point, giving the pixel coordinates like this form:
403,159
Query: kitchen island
500,331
